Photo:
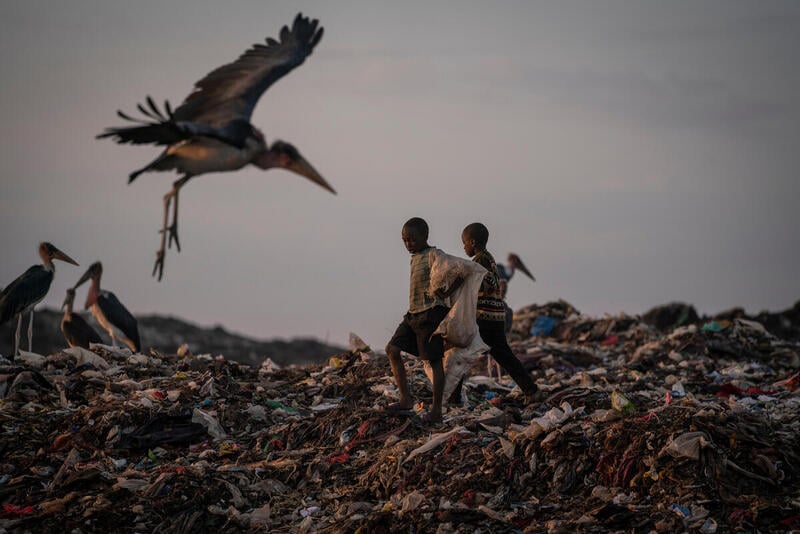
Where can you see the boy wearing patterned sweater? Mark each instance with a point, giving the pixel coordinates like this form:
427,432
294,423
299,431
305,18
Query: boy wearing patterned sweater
491,309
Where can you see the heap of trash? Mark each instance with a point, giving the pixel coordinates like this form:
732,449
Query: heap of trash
695,429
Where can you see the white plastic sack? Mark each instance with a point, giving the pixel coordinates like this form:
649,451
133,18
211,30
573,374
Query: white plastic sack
457,361
458,328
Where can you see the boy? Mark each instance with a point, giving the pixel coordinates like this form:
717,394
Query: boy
425,311
491,309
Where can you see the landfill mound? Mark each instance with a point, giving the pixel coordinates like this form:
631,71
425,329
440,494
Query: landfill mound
166,333
635,430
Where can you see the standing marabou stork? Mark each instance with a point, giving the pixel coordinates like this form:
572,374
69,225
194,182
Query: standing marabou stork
76,331
211,130
24,293
506,273
514,263
109,311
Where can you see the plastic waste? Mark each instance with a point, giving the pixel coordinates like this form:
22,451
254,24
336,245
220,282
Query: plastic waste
688,445
621,403
543,325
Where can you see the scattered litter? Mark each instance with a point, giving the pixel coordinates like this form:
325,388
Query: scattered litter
670,425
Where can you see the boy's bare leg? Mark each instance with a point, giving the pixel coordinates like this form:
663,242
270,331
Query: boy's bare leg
399,372
438,390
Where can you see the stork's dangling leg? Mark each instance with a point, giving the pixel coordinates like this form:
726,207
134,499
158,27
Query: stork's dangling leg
30,332
16,335
171,230
159,265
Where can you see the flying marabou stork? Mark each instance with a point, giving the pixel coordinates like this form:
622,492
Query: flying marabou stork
109,311
76,331
211,130
23,294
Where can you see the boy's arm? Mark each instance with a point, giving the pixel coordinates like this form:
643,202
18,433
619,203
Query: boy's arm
444,293
490,281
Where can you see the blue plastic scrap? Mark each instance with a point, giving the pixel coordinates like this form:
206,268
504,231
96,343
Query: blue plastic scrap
543,325
681,510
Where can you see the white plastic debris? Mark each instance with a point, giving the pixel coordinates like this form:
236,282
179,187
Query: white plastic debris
687,445
83,356
434,441
257,412
31,359
553,418
210,422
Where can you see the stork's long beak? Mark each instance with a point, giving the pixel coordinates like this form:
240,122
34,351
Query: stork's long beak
87,275
67,300
304,168
521,267
58,255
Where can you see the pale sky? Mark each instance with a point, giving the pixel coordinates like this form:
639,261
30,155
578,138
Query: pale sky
632,153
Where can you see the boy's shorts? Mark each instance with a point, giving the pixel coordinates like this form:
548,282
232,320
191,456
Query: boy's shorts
413,335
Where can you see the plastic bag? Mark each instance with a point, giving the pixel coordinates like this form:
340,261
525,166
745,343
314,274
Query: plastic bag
458,328
457,361
621,403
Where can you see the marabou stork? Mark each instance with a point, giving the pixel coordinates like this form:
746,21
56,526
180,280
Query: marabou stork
506,273
24,293
514,263
211,130
109,311
76,331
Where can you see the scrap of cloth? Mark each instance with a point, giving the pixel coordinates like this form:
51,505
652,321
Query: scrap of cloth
459,327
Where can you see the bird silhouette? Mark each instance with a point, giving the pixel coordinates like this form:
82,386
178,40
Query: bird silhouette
109,311
76,330
23,294
211,130
514,264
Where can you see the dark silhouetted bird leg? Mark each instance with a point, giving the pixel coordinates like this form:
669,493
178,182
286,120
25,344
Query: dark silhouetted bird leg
173,228
16,335
159,265
30,332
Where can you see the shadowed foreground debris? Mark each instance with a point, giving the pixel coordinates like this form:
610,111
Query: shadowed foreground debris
695,429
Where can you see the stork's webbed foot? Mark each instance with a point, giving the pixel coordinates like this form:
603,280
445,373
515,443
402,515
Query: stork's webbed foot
159,265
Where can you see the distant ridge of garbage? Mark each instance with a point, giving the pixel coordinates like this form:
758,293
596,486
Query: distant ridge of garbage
664,318
167,333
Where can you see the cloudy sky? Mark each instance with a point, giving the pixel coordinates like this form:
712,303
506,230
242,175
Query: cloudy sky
632,153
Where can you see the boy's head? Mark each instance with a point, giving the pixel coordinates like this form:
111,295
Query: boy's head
415,235
475,236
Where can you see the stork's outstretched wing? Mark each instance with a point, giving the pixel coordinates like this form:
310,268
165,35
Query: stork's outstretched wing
231,91
29,288
158,127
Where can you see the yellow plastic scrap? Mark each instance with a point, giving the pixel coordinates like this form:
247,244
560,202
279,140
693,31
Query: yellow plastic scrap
227,448
651,474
